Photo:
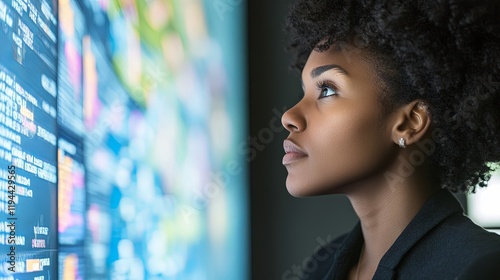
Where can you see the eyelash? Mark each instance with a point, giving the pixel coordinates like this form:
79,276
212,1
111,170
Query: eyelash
322,85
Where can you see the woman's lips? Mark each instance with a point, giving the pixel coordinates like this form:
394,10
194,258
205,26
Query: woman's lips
292,152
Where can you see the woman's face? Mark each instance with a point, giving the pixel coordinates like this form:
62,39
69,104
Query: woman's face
339,137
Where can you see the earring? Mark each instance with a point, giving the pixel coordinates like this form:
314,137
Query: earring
402,143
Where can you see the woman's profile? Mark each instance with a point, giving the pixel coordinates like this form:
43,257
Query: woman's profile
401,106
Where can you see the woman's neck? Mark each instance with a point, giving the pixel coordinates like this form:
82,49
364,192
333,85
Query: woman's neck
384,211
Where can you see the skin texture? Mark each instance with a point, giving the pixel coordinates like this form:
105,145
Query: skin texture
344,135
344,144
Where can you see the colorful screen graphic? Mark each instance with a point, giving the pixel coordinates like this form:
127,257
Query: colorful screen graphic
120,124
28,217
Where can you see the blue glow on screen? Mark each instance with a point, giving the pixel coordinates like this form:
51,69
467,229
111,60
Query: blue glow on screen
122,120
28,218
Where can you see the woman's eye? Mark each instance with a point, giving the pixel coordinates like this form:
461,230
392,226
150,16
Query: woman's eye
327,91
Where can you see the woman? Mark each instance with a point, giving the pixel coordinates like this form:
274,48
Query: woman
401,106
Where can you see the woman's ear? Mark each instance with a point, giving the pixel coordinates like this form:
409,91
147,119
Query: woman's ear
412,122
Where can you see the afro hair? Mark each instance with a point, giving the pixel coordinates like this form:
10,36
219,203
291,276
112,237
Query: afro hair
445,52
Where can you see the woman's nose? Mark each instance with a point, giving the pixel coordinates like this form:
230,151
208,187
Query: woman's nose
293,119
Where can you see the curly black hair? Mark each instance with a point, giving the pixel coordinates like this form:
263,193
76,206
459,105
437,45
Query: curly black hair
445,52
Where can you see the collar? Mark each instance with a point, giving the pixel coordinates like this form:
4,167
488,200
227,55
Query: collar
436,209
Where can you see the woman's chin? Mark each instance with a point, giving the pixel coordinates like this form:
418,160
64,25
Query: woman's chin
297,192
303,188
300,190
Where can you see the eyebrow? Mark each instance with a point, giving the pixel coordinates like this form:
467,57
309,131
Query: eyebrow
321,69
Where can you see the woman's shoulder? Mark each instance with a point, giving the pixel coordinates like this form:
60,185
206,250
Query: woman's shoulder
441,242
456,247
459,235
464,231
485,267
446,226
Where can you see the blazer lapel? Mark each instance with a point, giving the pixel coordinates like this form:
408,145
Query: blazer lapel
434,211
346,255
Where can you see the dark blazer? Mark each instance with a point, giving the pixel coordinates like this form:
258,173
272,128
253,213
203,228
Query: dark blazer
439,243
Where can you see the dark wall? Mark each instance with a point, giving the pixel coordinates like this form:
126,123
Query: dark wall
285,230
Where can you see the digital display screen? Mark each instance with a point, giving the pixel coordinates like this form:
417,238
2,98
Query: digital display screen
120,129
28,175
